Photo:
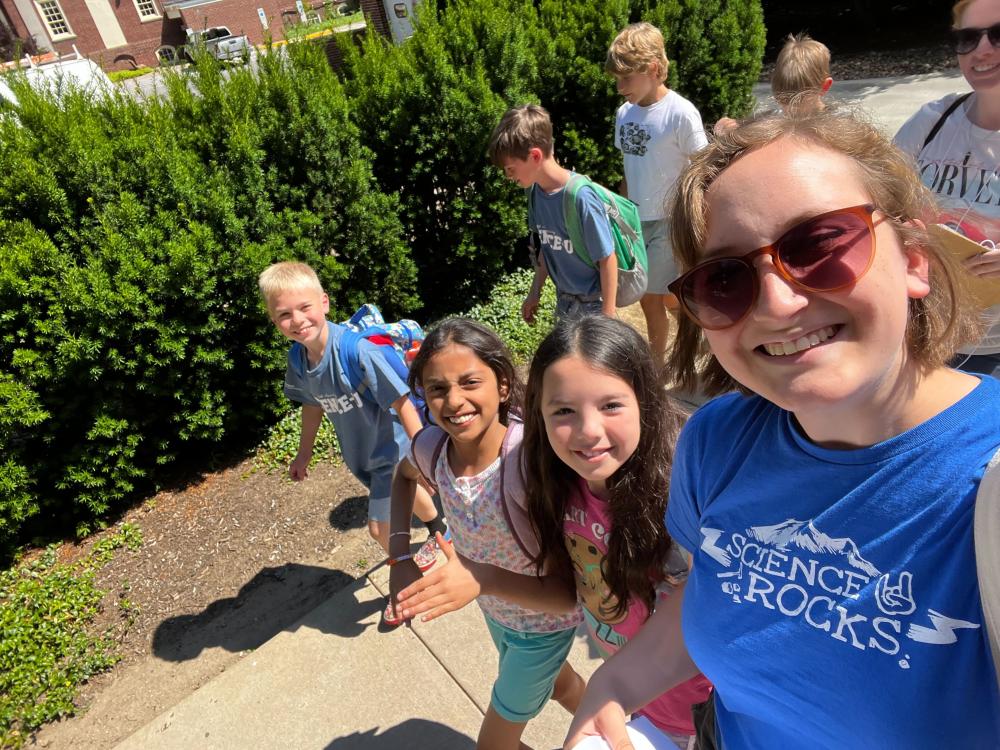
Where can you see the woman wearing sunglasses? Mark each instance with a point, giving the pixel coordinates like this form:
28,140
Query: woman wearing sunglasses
833,596
956,143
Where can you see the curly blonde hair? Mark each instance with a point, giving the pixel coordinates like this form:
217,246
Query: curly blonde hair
636,48
938,324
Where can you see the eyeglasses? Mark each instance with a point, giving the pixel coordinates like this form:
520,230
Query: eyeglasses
967,40
822,254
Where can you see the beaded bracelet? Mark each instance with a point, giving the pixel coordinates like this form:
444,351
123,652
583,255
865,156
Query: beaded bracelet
402,558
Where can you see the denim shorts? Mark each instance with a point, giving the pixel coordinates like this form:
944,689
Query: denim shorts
529,665
379,487
575,306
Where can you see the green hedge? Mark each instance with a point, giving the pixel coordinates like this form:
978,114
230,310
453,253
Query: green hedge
132,340
426,109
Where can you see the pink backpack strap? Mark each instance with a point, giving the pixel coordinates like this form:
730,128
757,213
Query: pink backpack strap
512,490
427,446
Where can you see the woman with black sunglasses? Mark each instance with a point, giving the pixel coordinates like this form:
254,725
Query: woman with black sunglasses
833,598
956,143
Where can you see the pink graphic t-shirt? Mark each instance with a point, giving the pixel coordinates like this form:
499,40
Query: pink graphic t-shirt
587,527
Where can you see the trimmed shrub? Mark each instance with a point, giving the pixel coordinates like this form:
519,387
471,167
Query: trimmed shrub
502,312
571,42
715,49
426,110
133,345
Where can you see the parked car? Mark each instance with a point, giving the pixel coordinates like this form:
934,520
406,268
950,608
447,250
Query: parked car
219,42
60,74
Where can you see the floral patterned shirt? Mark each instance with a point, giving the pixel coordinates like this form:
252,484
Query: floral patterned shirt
479,529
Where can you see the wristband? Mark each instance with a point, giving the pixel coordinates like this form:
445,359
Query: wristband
401,558
398,533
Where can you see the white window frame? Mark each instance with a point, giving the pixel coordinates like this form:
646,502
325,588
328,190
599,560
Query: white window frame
55,36
148,16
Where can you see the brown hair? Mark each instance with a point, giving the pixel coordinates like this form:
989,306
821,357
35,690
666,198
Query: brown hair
639,543
636,48
938,324
803,65
520,130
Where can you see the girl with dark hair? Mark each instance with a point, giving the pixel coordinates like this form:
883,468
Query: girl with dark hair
467,379
598,445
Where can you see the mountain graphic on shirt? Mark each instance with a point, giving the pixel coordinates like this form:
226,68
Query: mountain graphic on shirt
804,535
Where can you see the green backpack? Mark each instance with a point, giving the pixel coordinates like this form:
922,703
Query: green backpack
626,231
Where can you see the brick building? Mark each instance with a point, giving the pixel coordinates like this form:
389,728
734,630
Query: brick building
122,34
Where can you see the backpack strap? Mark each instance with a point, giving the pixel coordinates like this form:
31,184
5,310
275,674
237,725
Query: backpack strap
574,227
572,216
350,359
986,524
512,490
428,444
944,116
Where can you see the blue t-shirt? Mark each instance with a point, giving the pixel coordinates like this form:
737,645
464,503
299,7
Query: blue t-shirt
570,274
370,436
833,600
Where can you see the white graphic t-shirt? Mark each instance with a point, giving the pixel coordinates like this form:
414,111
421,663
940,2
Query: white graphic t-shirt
656,144
833,600
961,166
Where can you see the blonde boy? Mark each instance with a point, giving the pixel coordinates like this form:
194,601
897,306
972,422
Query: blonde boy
657,131
374,421
801,74
800,79
522,146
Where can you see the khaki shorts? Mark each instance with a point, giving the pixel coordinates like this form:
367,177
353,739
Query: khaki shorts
660,253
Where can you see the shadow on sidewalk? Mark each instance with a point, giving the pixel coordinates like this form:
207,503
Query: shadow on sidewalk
272,601
410,735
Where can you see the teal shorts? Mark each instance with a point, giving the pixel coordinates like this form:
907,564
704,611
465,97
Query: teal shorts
529,665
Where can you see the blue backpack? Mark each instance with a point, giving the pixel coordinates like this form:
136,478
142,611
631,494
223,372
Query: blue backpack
393,340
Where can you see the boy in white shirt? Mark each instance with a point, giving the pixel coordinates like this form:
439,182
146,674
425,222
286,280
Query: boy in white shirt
657,131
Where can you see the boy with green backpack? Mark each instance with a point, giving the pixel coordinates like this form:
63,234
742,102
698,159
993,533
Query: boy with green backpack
590,239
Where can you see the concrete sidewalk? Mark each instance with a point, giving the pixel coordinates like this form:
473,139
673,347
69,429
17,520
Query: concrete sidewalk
333,681
888,101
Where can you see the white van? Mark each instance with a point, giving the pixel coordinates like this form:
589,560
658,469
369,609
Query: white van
75,71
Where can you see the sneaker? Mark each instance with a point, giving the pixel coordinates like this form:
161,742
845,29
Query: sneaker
427,554
390,620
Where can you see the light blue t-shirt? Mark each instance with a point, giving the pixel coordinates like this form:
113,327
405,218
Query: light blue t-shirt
833,600
370,436
545,216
